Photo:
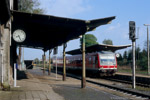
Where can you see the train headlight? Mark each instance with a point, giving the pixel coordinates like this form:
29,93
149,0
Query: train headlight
117,55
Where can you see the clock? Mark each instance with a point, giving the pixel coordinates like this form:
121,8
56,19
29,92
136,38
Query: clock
19,35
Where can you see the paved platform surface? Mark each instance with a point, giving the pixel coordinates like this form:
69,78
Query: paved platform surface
43,87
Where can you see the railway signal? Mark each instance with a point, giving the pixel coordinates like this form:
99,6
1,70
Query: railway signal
132,30
133,38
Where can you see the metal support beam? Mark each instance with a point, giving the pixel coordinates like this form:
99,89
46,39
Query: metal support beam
19,58
83,81
64,62
148,52
44,63
49,69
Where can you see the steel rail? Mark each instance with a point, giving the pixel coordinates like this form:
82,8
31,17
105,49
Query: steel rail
125,90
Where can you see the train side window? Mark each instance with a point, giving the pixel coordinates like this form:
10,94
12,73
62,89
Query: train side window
96,60
93,60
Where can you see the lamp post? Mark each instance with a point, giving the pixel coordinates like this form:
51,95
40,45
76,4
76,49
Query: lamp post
148,68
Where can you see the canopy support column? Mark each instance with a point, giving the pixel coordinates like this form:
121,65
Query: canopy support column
49,69
83,81
64,62
44,63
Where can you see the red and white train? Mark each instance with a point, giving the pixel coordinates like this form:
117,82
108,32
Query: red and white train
102,63
100,59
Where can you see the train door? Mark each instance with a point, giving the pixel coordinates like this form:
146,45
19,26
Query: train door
93,61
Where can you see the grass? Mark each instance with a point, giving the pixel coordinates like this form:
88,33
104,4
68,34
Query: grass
139,88
127,69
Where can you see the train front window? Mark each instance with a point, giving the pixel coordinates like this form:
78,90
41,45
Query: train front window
107,59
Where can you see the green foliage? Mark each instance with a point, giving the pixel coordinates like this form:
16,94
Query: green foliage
30,6
125,55
90,39
141,58
129,56
119,60
143,63
145,45
108,41
36,61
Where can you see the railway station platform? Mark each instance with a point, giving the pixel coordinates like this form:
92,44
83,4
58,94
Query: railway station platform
43,87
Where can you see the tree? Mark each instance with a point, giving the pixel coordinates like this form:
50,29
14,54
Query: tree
108,41
137,52
30,6
145,45
129,55
119,60
36,61
90,39
143,59
125,55
125,58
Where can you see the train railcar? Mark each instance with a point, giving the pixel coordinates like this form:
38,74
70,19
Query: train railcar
102,63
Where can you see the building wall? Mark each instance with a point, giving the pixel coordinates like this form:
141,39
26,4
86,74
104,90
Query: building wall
0,53
5,54
5,32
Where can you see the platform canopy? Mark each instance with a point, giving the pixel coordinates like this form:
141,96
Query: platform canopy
47,32
4,11
97,48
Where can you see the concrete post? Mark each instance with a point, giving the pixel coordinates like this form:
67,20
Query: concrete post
83,82
148,62
133,66
64,62
148,71
6,46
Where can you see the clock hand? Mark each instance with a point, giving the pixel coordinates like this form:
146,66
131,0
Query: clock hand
19,37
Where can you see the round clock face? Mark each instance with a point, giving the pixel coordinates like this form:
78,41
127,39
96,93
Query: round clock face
19,35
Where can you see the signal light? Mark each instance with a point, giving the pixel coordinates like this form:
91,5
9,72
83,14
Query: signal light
132,30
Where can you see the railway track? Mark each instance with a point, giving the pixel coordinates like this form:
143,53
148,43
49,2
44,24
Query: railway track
116,88
127,81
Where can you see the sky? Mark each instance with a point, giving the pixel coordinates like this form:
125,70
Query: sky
117,31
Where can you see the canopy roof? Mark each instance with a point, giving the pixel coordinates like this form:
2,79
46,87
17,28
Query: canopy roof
97,48
47,32
4,11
